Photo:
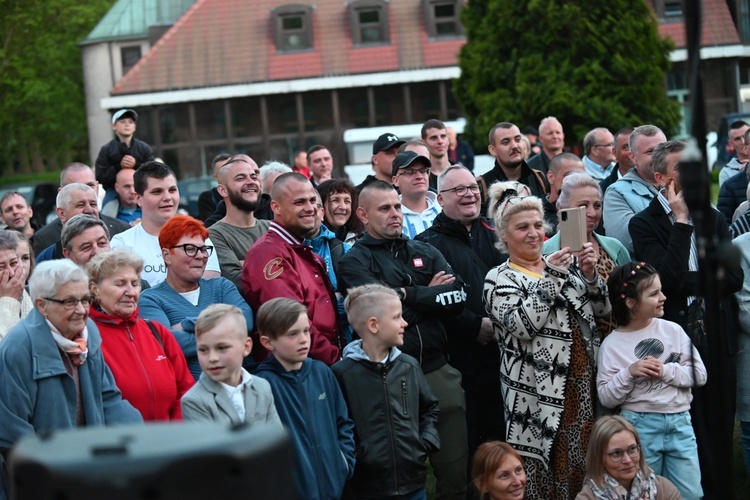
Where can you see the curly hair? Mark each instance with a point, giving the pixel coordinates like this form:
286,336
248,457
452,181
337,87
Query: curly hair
338,186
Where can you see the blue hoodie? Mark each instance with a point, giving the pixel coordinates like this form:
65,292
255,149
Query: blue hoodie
312,408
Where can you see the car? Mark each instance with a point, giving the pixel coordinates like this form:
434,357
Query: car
190,190
41,196
724,150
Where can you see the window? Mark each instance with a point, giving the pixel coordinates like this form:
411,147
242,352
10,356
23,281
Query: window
130,56
293,28
443,18
369,20
669,11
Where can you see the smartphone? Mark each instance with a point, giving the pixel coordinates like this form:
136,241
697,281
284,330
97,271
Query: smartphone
572,227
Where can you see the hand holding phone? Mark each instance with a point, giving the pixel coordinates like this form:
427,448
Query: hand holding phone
572,226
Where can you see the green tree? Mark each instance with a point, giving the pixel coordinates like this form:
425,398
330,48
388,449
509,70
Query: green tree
42,107
587,62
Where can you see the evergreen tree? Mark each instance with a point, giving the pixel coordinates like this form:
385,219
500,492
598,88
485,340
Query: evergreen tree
587,62
42,107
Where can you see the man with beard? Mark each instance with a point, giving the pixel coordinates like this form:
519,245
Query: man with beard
240,188
505,145
280,264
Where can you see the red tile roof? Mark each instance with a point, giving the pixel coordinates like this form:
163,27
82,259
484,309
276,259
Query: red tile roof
718,27
225,42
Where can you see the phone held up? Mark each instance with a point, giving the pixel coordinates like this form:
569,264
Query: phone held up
572,226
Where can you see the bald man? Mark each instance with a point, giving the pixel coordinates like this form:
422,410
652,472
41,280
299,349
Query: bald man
279,264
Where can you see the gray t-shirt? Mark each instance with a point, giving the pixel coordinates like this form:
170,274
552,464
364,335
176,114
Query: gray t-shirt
232,243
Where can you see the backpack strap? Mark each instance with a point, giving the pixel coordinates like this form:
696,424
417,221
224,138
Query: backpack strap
157,336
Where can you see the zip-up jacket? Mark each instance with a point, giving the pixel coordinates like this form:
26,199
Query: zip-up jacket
394,413
110,156
409,264
312,408
280,265
151,373
471,254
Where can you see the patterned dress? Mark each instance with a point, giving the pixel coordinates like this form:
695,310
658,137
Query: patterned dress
546,327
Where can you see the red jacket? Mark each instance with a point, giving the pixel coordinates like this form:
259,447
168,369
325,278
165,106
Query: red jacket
152,378
279,265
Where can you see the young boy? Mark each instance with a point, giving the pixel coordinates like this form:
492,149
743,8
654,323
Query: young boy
391,403
308,399
124,151
226,392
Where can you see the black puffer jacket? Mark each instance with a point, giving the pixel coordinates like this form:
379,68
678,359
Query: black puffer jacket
732,193
409,264
471,255
394,413
110,156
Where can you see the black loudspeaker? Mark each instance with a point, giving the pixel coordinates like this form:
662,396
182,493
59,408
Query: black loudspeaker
156,461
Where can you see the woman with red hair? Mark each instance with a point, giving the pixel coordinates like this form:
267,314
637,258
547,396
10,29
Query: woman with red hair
179,299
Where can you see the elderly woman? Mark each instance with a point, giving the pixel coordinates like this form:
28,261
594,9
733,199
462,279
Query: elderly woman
145,359
339,196
15,303
543,312
53,370
178,300
616,468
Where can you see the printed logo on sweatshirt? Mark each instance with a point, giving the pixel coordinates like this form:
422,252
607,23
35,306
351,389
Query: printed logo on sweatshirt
322,395
161,357
273,269
418,262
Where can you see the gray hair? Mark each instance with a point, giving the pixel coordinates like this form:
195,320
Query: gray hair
441,177
78,224
502,211
549,119
273,167
662,152
64,197
51,275
573,181
589,141
647,130
105,264
8,240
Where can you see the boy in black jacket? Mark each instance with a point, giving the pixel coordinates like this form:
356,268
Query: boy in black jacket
124,151
393,407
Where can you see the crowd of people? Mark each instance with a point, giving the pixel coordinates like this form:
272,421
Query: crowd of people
427,315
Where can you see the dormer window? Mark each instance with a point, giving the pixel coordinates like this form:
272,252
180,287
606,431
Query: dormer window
369,21
443,18
293,28
669,11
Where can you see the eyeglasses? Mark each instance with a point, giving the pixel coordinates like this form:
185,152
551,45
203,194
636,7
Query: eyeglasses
192,250
617,455
412,172
71,303
461,191
610,145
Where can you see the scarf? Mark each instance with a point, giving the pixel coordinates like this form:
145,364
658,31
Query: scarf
643,488
76,348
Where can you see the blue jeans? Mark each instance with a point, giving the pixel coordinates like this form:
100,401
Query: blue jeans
668,442
745,428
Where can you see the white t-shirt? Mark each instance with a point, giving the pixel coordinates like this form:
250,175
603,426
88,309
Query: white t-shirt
136,240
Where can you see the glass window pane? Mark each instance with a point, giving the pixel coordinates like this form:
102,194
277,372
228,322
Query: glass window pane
246,117
209,115
144,127
174,124
318,111
369,16
282,113
294,41
291,22
425,100
389,105
446,28
371,35
354,108
445,10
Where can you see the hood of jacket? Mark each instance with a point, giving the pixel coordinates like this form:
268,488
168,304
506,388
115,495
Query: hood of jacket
354,351
271,364
325,234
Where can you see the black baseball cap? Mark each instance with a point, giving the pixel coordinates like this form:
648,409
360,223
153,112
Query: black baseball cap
405,159
386,141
